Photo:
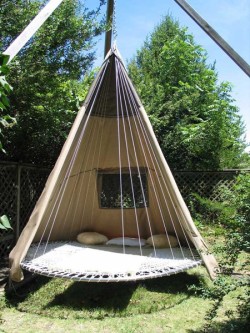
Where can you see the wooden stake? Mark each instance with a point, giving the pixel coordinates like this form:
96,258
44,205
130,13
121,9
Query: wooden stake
31,29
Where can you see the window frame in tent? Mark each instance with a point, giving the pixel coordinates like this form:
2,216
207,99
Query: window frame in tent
143,172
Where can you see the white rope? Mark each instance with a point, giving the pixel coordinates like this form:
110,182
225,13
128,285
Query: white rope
103,105
149,145
150,173
126,145
168,192
61,192
88,152
95,106
127,107
169,195
128,92
141,185
119,159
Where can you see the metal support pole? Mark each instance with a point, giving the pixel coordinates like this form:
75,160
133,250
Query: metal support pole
32,28
18,200
215,36
109,20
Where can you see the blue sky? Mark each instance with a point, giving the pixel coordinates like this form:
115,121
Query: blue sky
135,19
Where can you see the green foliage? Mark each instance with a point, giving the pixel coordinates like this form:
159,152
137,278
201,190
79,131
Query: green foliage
232,213
194,118
49,76
5,120
210,211
237,321
5,88
4,223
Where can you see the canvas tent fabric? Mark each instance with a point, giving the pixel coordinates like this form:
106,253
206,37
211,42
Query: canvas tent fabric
111,136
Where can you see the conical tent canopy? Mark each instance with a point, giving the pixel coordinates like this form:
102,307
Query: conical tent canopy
111,177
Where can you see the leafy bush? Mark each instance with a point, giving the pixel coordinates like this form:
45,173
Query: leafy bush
5,89
210,211
233,214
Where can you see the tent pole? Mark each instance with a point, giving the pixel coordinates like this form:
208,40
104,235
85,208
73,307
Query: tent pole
109,20
215,36
31,29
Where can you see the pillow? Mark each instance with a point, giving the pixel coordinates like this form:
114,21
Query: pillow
127,241
162,241
91,238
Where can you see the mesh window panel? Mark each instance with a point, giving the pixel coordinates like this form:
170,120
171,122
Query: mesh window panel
120,193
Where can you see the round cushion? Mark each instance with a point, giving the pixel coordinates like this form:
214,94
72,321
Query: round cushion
162,241
91,238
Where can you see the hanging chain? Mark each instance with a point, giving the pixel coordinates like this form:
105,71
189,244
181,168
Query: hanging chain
114,27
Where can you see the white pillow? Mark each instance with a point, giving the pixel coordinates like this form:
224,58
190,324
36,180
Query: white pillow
162,241
91,238
127,241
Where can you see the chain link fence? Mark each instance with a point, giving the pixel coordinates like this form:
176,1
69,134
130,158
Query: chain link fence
21,186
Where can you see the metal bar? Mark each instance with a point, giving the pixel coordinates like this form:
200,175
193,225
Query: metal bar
109,20
215,36
31,29
18,200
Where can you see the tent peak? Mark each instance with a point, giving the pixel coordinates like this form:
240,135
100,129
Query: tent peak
114,51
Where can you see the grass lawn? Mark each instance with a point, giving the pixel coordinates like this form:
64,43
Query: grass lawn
168,304
160,305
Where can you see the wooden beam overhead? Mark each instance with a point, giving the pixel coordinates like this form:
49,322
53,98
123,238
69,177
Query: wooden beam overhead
31,29
215,36
109,20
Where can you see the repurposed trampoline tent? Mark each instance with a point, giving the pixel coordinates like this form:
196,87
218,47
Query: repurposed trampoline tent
112,178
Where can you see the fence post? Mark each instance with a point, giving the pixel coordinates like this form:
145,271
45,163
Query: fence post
19,168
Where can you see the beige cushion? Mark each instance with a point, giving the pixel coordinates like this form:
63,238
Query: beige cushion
91,238
162,241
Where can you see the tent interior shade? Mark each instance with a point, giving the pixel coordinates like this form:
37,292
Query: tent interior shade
111,178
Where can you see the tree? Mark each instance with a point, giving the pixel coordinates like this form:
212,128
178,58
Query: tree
5,120
47,76
194,117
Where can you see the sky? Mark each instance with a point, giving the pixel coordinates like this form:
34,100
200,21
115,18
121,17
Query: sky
136,19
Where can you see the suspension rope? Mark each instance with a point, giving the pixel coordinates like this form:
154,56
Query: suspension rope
139,174
120,163
135,150
128,92
133,105
120,94
63,187
149,145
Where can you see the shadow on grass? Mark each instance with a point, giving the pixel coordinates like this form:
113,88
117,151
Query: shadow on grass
18,294
63,298
178,283
117,295
108,296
